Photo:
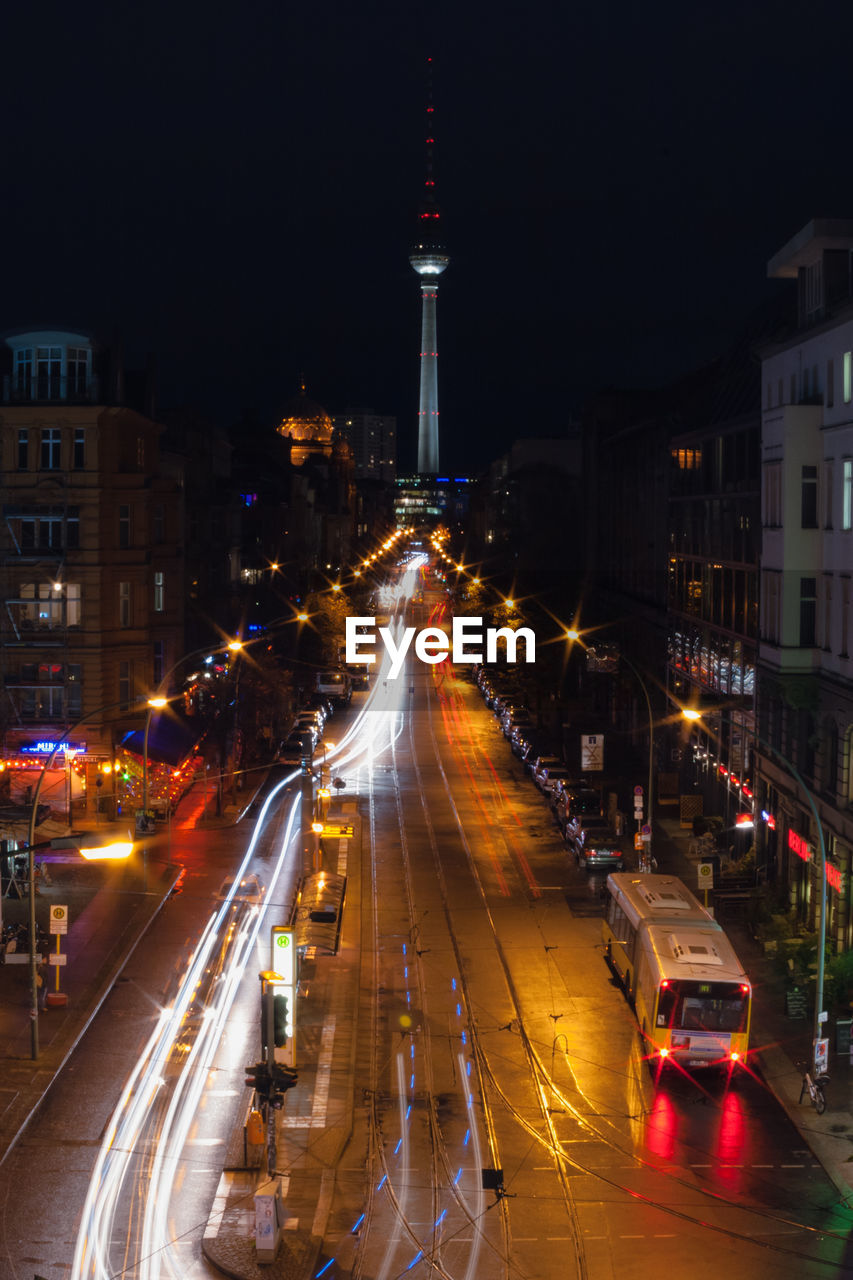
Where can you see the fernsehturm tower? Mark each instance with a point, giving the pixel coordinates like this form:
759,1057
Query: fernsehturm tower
429,259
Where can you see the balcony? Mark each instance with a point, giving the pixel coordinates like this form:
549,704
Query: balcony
50,388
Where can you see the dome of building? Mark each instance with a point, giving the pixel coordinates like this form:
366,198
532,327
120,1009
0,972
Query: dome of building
308,425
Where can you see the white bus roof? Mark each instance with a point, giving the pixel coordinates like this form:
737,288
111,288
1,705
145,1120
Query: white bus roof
656,898
693,951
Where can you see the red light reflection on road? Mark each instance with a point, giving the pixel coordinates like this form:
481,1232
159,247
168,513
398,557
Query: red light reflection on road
731,1140
661,1128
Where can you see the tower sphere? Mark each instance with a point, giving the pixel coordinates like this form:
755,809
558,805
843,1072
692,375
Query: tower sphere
428,259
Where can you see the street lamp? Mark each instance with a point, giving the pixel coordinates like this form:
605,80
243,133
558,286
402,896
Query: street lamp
159,700
692,715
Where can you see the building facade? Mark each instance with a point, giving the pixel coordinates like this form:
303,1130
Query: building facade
373,440
805,673
90,557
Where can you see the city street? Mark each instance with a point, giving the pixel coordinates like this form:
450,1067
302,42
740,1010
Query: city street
504,1120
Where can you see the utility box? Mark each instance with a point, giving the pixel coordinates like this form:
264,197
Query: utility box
269,1220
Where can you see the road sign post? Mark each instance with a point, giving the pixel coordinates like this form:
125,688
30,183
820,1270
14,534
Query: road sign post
58,926
705,874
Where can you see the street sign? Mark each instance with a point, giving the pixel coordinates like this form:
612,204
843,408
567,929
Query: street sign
58,919
638,840
283,953
638,791
592,752
332,829
56,957
823,1016
705,872
821,1055
646,829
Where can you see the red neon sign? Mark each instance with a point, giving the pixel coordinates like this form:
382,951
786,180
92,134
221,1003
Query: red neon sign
833,878
798,845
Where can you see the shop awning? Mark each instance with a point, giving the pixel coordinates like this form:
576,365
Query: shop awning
170,740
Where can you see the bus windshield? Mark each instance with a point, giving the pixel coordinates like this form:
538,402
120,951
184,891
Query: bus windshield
702,1006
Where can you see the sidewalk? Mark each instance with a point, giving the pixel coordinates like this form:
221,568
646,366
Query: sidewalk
110,908
783,1044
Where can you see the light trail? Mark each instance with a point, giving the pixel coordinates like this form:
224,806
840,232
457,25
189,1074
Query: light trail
129,1130
149,1128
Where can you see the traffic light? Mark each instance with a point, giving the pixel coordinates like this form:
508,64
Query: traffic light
279,1019
258,1078
283,1079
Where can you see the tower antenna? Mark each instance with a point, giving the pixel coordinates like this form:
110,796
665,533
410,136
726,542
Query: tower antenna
429,258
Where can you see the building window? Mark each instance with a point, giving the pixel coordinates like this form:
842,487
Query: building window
79,448
159,523
51,442
72,527
159,592
808,498
159,662
24,371
808,612
73,604
845,616
124,684
78,371
830,383
827,612
48,373
773,495
124,604
847,494
124,527
23,449
847,377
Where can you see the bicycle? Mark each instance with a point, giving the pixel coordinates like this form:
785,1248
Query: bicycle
814,1088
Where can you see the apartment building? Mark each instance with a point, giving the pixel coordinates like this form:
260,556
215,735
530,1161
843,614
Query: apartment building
805,671
90,560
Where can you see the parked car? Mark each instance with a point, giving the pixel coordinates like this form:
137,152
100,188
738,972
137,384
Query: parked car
599,851
549,777
524,739
309,721
515,715
291,750
576,800
581,825
540,764
319,702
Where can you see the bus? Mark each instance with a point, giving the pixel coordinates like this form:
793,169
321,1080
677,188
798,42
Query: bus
688,989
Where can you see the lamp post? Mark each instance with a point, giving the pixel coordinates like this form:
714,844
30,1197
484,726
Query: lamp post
692,715
629,663
31,835
573,634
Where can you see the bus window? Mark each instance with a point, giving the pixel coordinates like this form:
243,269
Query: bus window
702,1006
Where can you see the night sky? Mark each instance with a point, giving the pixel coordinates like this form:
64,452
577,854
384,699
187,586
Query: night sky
235,189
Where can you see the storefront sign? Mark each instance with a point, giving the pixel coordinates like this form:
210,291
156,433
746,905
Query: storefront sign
833,877
798,845
47,746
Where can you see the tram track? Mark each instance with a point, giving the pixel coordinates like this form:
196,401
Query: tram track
546,1087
